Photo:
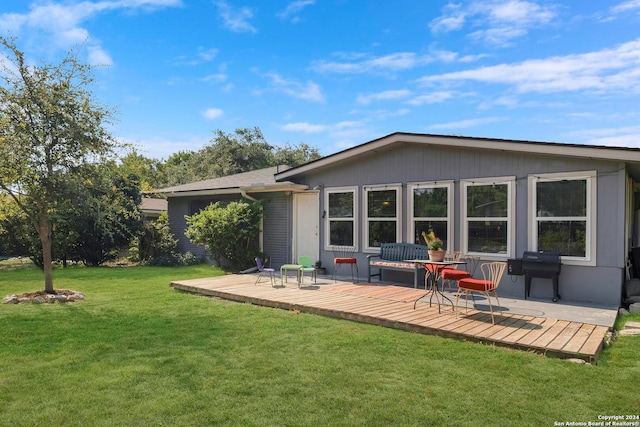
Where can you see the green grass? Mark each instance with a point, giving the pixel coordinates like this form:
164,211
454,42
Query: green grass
138,353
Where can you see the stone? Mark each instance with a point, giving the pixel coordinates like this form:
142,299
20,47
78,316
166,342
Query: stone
629,332
632,325
10,299
38,300
623,312
634,308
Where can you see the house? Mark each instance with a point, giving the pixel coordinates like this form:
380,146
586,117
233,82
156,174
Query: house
275,239
152,208
490,197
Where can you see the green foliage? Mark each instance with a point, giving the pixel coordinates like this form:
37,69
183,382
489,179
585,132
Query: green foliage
14,228
230,232
154,240
174,260
231,153
150,172
50,126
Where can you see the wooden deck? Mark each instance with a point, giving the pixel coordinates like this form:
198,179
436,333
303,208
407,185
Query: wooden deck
393,306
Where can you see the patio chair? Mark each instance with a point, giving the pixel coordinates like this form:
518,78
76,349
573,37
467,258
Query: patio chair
438,270
307,267
491,276
343,255
264,270
463,271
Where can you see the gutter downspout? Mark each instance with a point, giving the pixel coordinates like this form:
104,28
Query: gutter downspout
244,194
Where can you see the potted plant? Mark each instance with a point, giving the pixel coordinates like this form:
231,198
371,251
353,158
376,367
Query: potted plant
319,268
435,245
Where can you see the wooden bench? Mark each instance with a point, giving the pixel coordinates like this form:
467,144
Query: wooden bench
392,256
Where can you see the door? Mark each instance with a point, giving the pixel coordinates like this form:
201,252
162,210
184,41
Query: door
306,220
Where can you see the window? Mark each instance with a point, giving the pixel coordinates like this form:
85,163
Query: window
488,209
382,213
431,207
563,214
340,214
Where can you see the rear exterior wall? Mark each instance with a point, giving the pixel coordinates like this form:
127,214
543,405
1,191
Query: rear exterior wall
407,163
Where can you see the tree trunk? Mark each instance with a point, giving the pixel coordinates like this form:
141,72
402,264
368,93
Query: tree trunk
44,231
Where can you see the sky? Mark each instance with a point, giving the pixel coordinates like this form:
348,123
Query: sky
338,73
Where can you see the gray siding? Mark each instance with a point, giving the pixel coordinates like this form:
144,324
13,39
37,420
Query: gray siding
405,163
276,225
276,230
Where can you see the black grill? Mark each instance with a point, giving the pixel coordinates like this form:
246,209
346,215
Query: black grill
544,265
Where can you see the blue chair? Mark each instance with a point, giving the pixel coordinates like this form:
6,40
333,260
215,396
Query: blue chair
264,270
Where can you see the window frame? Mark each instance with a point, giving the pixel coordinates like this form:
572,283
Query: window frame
366,219
327,218
450,186
510,182
591,215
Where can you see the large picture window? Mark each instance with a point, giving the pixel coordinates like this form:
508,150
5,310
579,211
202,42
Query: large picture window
488,209
340,214
431,209
563,211
382,215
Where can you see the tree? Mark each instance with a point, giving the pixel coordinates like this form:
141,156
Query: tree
230,232
50,126
147,170
231,153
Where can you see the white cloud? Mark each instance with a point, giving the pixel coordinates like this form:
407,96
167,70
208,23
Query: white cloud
97,56
389,95
212,113
392,62
500,21
60,25
631,5
304,127
236,19
293,9
431,98
617,68
626,136
308,91
462,124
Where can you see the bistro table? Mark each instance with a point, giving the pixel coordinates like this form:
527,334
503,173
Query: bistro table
433,275
285,267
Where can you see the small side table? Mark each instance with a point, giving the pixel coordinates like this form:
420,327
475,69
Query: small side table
286,267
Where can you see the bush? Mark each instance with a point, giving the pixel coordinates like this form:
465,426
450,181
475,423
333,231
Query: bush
174,260
230,233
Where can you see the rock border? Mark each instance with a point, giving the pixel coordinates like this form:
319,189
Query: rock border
42,297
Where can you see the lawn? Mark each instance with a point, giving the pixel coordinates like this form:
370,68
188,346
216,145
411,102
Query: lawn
136,352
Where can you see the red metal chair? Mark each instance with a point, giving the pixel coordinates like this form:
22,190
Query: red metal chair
459,272
343,255
491,276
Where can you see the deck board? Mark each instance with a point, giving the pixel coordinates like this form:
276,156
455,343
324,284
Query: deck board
393,306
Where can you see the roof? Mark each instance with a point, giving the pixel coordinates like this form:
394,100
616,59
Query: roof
257,181
622,154
153,205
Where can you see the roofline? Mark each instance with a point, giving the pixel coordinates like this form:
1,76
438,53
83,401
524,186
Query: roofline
253,189
623,154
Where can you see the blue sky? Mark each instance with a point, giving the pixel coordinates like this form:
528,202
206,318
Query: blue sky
338,73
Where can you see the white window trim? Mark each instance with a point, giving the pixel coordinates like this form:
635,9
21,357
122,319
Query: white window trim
355,219
449,185
592,209
365,194
510,181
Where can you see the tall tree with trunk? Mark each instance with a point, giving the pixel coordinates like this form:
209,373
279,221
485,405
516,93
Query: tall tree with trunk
50,127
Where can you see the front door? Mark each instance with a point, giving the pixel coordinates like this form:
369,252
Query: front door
305,225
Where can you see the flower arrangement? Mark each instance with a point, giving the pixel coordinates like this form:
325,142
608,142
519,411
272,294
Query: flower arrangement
434,243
